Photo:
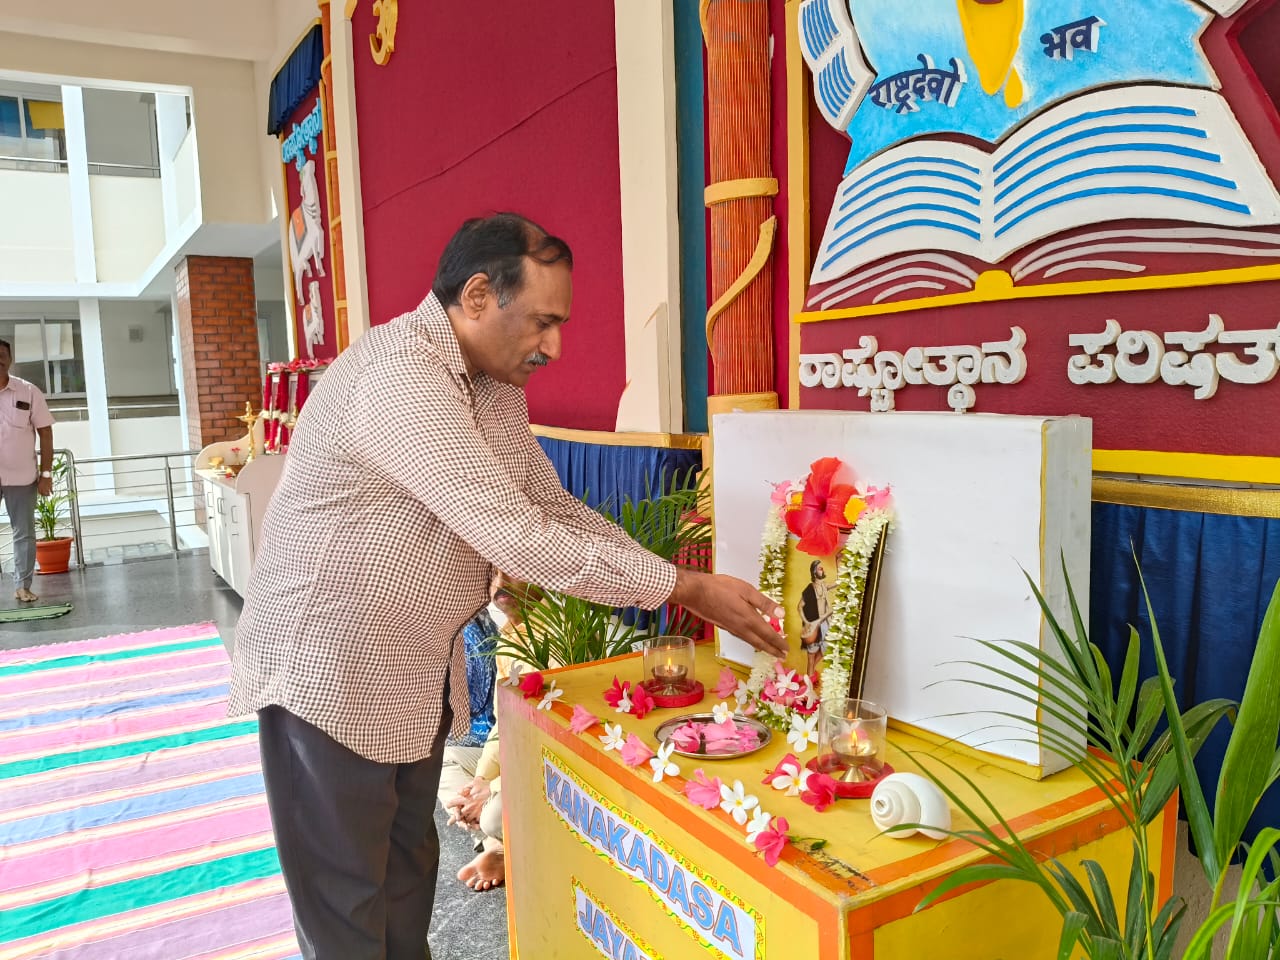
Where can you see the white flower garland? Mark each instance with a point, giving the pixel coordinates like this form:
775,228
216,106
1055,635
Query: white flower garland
853,562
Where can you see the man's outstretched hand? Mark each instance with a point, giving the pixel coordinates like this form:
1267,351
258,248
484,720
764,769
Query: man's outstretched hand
732,604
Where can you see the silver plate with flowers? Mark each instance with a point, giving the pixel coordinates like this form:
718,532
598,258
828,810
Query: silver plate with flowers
698,735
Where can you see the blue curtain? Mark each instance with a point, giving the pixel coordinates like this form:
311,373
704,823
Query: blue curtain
603,473
296,79
1210,578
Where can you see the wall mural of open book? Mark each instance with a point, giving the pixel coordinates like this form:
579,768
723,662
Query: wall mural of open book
980,128
1119,156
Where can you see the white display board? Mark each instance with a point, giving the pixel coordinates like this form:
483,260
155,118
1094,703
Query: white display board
979,498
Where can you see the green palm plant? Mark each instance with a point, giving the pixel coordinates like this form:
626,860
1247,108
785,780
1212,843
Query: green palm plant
557,629
53,511
1138,770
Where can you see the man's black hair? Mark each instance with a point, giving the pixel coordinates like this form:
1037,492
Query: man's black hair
495,246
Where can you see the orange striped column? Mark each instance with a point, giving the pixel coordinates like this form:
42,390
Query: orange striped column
740,195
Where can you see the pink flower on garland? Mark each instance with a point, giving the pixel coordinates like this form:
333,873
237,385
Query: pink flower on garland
727,684
819,519
641,701
582,719
613,696
635,751
531,685
703,792
773,840
819,792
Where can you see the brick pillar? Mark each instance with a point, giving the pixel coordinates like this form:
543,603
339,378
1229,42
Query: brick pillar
218,327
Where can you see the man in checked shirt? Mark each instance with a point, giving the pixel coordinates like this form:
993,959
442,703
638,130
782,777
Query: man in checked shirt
411,475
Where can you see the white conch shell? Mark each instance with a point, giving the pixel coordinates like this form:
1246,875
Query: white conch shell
910,798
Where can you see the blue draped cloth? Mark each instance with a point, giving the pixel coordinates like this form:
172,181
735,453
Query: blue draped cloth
296,79
1210,578
604,473
480,640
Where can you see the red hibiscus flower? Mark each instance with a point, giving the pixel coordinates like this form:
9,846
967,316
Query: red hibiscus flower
613,696
820,517
641,702
531,685
772,841
819,792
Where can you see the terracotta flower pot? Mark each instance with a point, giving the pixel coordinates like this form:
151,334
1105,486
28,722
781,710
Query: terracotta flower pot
53,556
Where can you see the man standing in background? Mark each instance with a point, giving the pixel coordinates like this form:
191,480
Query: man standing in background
23,416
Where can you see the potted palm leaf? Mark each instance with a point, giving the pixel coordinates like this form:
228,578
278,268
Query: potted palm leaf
1148,764
53,550
558,630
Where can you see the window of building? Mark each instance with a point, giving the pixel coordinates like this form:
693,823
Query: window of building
32,134
47,352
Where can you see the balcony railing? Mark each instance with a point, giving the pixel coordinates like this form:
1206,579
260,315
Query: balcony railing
129,507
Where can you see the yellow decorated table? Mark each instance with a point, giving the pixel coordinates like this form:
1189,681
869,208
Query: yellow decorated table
604,861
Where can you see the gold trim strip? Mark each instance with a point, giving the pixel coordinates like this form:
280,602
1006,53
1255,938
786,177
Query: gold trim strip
350,8
798,216
703,8
1193,499
668,441
759,257
1195,466
996,293
726,190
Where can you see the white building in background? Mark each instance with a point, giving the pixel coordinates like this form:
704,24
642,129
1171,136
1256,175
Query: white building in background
100,198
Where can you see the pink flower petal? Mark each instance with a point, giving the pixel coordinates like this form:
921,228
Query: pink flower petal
531,685
727,684
641,702
615,693
702,791
635,751
582,719
773,840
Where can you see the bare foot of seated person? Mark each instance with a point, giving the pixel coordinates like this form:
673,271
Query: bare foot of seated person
487,870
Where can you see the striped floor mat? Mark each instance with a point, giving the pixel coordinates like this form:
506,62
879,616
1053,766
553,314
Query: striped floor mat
132,816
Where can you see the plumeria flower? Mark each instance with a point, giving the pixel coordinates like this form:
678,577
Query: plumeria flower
616,692
553,694
624,702
613,737
787,681
808,695
742,694
663,765
722,713
759,824
803,733
513,678
736,802
789,776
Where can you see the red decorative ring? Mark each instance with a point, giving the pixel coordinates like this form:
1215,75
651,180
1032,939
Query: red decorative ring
677,700
852,791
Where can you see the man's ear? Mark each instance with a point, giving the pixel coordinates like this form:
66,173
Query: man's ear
475,294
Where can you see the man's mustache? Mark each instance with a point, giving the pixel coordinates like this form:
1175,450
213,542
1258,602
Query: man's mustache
537,359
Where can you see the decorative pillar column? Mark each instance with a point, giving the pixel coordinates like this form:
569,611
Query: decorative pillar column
217,322
740,318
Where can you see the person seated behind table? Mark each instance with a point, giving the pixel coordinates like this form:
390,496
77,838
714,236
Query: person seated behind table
470,785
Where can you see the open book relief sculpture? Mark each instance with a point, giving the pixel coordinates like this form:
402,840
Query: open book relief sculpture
983,129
